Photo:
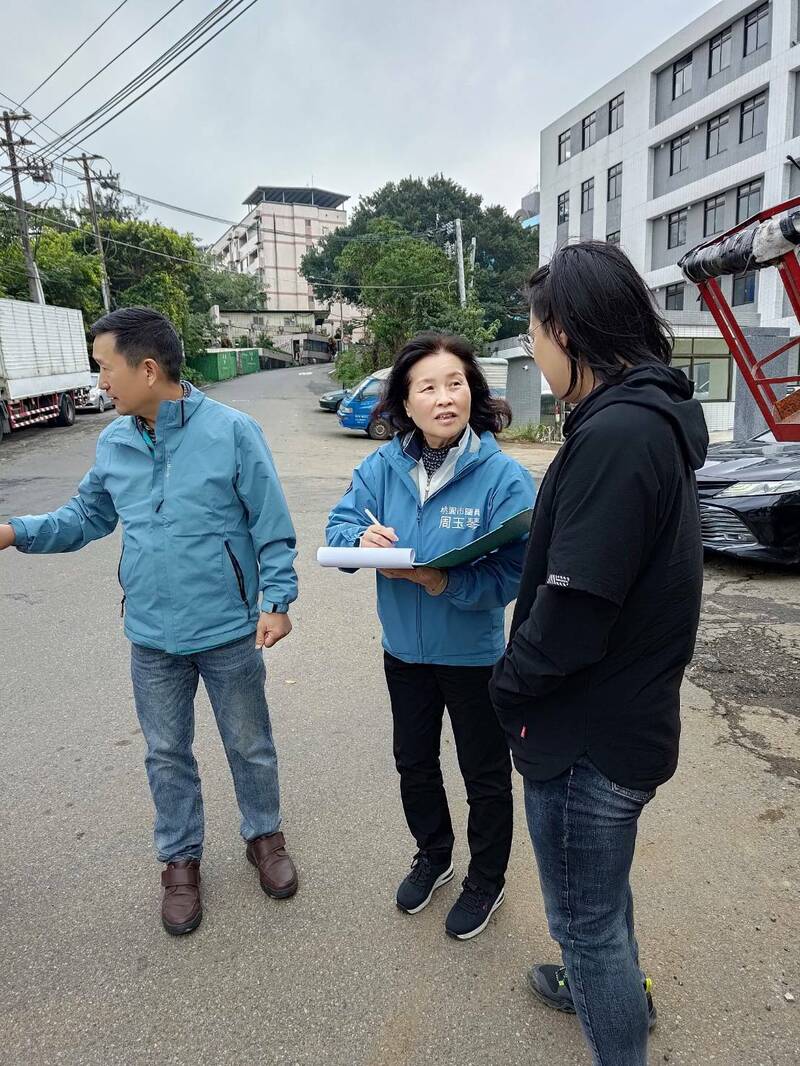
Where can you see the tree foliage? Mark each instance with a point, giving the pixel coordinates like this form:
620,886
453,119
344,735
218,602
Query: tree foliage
506,253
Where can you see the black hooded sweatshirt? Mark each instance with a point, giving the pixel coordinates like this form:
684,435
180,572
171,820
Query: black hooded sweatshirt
609,603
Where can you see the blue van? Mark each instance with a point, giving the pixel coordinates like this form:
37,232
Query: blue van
355,410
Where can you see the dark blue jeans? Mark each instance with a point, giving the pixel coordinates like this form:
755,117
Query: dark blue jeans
583,829
164,688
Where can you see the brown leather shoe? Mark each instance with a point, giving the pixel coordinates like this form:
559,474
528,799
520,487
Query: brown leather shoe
181,908
275,869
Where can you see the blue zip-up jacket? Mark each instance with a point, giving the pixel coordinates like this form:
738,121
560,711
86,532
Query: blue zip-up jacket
464,626
205,525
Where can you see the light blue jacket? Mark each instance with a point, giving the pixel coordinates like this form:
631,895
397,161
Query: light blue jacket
463,626
205,525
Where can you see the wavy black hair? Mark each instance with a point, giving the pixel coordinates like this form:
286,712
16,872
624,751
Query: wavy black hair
595,295
488,413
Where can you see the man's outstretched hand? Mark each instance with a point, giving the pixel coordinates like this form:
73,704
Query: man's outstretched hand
7,537
271,629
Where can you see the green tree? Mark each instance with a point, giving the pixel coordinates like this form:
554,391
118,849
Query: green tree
506,253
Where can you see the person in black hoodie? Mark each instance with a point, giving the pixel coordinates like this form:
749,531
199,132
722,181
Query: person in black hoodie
588,690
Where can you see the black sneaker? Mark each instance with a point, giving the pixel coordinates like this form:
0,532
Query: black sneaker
550,985
472,910
416,889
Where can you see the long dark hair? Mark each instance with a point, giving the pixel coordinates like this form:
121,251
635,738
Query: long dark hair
593,292
487,412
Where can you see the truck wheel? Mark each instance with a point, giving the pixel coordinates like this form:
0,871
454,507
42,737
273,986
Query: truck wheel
379,430
66,410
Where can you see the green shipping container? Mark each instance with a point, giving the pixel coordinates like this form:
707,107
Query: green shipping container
215,366
247,360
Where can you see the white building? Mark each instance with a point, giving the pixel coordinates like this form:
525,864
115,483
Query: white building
684,144
281,225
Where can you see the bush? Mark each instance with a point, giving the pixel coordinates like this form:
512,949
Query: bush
194,377
539,433
353,364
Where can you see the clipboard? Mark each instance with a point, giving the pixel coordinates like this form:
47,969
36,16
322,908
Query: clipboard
514,528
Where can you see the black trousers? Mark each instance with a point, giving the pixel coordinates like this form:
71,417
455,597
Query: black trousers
419,693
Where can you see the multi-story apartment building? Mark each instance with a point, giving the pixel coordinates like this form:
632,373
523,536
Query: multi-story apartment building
282,223
686,143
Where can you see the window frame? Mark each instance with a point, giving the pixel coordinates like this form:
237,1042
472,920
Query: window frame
716,125
677,289
756,19
616,107
751,107
717,43
711,206
748,185
563,208
679,68
747,279
587,193
589,126
615,176
564,146
679,144
674,220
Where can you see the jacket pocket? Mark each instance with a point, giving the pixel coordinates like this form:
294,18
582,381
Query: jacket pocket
237,571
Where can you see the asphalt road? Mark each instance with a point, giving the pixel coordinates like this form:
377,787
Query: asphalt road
337,975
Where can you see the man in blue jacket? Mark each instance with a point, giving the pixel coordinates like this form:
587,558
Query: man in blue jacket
206,531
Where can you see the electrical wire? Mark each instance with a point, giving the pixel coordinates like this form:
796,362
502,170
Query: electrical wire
74,52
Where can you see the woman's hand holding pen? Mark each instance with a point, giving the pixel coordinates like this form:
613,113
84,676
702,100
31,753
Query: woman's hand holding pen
378,536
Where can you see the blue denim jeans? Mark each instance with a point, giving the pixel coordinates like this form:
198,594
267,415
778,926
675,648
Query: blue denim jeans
583,829
164,688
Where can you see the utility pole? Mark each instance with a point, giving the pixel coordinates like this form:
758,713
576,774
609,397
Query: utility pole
10,145
462,292
89,178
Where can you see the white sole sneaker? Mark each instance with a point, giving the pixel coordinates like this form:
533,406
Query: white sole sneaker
468,936
442,879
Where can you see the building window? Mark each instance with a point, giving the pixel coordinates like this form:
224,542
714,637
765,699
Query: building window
673,300
563,208
719,55
587,196
616,113
564,146
615,182
716,135
590,130
714,216
676,229
613,238
744,289
756,29
679,154
748,200
712,374
682,76
753,117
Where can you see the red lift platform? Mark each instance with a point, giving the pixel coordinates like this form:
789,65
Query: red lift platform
769,239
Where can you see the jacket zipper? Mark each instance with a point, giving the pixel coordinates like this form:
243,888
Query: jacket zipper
119,579
238,571
420,593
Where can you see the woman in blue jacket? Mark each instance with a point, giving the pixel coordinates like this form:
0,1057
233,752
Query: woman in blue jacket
438,485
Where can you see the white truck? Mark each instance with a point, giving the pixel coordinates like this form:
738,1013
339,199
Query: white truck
44,364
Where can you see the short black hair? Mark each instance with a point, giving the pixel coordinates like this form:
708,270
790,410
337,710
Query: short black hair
142,333
593,293
488,413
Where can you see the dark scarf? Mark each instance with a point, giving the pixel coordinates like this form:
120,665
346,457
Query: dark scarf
433,458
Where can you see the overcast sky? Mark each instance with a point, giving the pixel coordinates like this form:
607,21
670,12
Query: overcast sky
353,93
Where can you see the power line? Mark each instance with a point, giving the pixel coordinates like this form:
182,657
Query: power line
200,262
208,22
127,48
75,51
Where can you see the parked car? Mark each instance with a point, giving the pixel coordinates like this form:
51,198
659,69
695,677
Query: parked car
750,499
357,410
95,399
329,401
